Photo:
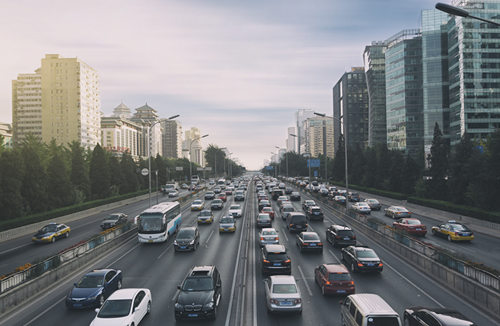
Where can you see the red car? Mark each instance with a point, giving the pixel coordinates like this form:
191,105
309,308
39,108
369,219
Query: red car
410,226
268,210
334,279
222,196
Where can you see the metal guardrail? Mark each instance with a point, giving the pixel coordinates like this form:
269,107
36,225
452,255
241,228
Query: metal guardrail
29,272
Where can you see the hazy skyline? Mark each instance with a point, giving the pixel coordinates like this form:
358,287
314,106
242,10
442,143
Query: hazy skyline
237,70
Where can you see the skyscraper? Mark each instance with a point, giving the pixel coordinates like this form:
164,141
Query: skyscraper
171,138
290,140
319,136
192,146
27,106
301,116
374,60
147,116
404,98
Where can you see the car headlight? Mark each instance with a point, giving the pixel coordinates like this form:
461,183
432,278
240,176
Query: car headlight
192,242
209,306
46,238
178,306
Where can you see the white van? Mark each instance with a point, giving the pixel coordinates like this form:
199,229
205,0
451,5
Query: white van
367,309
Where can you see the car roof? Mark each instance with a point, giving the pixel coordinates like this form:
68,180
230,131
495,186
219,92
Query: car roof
372,304
124,294
275,248
341,227
201,269
282,279
310,233
268,229
336,268
100,272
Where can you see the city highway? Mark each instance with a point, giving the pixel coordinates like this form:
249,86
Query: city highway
237,256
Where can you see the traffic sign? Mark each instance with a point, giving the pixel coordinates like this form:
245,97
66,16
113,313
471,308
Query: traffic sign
179,168
313,163
144,172
269,167
199,169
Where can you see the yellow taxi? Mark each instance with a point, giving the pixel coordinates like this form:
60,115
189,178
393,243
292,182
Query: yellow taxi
197,205
205,217
453,231
51,232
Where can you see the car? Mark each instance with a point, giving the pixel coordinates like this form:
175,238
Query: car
281,199
361,208
222,197
263,203
124,307
187,239
217,190
173,193
94,288
209,195
307,203
282,185
235,210
353,196
276,193
288,190
205,217
334,279
374,204
285,202
227,224
268,210
228,192
339,200
282,294
417,316
239,195
184,186
340,235
323,191
264,221
268,236
397,212
285,209
216,204
362,259
262,197
275,260
295,196
309,241
296,222
113,220
199,294
314,213
51,232
411,226
197,205
453,231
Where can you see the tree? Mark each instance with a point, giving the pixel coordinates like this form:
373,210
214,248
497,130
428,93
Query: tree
460,171
214,156
11,176
79,172
99,174
410,175
115,178
60,191
34,188
438,171
339,161
128,173
370,169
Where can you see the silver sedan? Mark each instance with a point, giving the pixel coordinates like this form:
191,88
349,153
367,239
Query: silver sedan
268,236
283,294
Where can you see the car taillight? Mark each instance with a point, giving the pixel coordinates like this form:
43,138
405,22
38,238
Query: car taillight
354,237
380,264
456,233
360,265
320,243
290,225
277,238
287,261
328,283
273,301
261,239
351,283
266,261
338,237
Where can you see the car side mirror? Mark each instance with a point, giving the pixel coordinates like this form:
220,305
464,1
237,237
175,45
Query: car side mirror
178,287
97,310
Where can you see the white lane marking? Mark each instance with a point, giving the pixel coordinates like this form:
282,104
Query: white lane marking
334,256
209,237
254,289
164,252
284,234
15,248
46,310
305,281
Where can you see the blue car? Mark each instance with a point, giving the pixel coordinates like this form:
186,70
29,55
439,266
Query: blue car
94,288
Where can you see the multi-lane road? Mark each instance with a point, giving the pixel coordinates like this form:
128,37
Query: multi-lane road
237,256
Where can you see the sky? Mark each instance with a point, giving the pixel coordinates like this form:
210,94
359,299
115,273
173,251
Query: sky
237,70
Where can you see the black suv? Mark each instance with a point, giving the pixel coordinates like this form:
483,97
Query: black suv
275,260
314,213
295,196
199,294
277,193
354,196
340,235
361,259
296,222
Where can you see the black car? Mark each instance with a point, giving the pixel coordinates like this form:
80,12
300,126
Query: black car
113,220
361,259
308,203
295,196
264,221
209,195
296,222
199,294
288,190
416,316
187,239
94,288
263,203
275,260
314,213
216,204
309,241
277,193
354,197
340,235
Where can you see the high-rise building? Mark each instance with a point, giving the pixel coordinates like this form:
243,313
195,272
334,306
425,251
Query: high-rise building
27,106
290,140
172,138
301,116
319,136
435,75
192,146
374,61
350,106
71,105
474,71
404,96
146,116
121,135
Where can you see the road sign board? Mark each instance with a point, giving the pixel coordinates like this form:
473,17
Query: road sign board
313,163
208,168
199,169
144,172
269,167
315,173
179,168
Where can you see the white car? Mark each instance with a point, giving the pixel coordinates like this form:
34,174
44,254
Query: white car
268,236
282,294
362,208
124,307
197,205
235,210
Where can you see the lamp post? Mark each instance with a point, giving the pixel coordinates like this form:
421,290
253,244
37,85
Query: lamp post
149,151
456,11
293,135
190,158
279,158
344,130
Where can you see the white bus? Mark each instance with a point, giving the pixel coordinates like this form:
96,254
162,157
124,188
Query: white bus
159,222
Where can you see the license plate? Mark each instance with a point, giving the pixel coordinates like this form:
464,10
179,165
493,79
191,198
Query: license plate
192,315
312,244
285,303
418,229
347,239
370,265
182,247
150,240
77,305
340,291
277,264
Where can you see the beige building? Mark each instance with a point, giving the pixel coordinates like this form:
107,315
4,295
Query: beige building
27,106
171,138
6,133
120,134
192,149
70,101
319,136
146,116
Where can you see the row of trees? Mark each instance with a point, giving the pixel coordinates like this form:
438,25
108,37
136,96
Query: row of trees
36,177
467,173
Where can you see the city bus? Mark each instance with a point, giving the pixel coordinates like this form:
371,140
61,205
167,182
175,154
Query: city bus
158,222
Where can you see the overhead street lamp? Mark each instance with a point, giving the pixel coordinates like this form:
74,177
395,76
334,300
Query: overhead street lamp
190,158
149,152
293,135
344,130
279,158
456,11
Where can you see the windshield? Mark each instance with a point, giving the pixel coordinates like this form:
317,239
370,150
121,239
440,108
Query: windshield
185,234
345,233
217,201
112,218
366,254
235,207
269,233
205,213
197,202
115,308
263,217
90,282
49,228
284,288
277,256
414,222
151,223
198,284
458,227
334,277
226,220
288,209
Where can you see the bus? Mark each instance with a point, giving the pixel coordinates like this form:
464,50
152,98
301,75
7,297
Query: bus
158,222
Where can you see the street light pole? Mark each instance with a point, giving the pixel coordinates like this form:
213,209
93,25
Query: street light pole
456,11
293,135
190,158
149,151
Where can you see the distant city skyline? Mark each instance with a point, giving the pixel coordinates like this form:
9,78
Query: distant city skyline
236,70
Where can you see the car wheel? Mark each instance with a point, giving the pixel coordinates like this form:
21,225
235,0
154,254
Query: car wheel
119,285
53,239
66,234
449,238
148,310
101,301
353,268
433,232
